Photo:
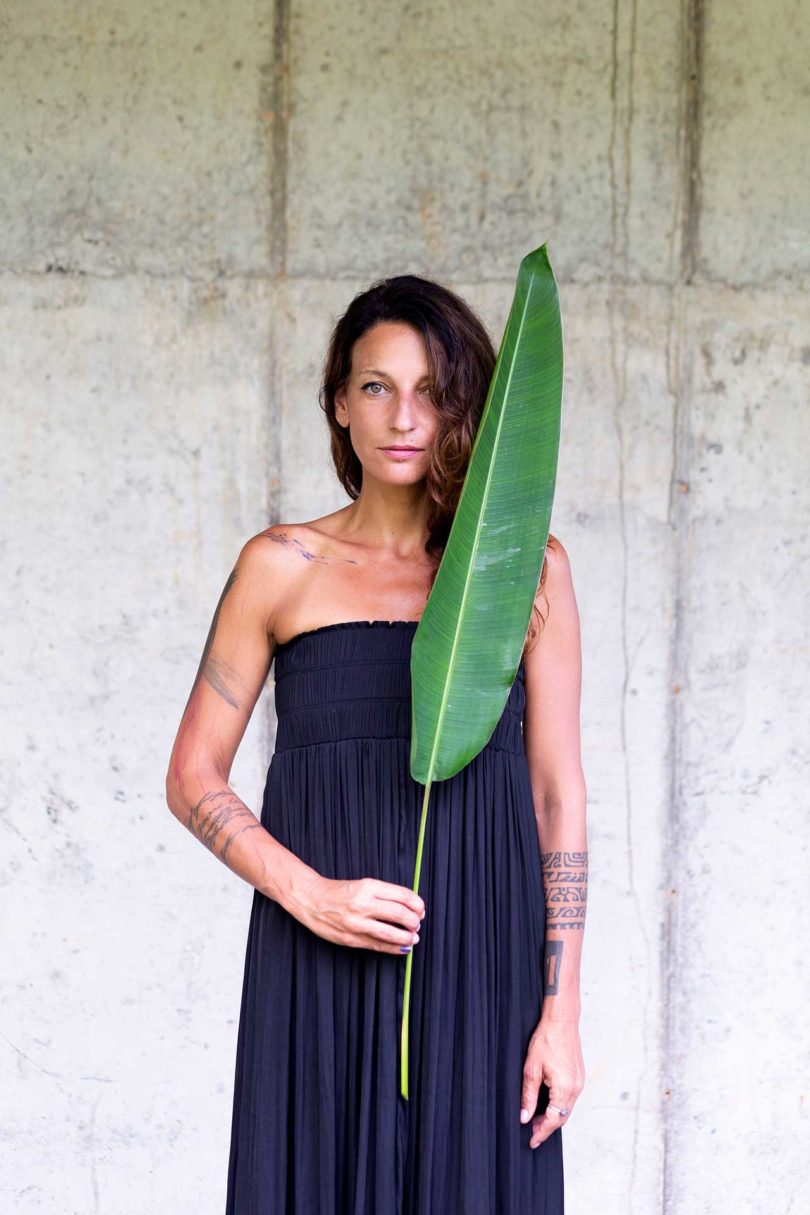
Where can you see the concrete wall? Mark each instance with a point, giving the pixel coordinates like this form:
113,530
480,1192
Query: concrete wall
191,192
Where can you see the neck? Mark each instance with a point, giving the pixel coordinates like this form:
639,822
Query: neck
390,518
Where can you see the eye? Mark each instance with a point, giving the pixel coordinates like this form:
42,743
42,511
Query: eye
373,384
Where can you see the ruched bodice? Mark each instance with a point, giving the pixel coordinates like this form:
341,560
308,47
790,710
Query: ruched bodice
352,680
319,1125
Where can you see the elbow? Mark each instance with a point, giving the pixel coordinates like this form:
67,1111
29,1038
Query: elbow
174,797
563,799
187,784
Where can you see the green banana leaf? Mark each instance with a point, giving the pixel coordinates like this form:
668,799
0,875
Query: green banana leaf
468,643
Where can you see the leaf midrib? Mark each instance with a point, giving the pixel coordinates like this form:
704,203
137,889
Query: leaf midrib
476,545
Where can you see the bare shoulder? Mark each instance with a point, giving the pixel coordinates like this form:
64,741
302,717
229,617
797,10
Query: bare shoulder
313,540
285,544
268,552
557,604
285,562
558,580
553,679
270,563
556,545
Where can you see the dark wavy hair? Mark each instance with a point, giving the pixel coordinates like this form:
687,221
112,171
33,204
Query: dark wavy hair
461,360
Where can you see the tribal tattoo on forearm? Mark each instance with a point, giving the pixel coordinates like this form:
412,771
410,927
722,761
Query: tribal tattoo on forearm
218,818
565,882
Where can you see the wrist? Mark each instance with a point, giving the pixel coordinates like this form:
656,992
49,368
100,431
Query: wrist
294,893
560,1010
287,879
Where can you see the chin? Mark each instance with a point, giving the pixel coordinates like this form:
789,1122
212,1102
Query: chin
405,473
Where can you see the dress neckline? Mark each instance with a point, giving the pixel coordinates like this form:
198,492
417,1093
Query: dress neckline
345,624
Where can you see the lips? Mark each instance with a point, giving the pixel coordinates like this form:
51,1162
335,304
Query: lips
403,449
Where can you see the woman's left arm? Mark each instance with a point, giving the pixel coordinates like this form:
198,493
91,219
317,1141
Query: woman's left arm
551,735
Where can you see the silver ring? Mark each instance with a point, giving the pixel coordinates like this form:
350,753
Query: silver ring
564,1112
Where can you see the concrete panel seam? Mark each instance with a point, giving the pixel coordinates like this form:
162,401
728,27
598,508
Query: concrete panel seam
620,160
619,208
65,270
692,60
278,107
679,372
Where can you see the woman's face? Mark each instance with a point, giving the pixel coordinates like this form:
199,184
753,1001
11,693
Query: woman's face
386,404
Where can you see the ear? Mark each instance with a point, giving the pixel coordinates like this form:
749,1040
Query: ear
341,413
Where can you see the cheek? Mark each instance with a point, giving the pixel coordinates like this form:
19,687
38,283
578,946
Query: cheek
433,428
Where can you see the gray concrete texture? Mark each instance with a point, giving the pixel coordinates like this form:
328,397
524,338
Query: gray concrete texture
191,193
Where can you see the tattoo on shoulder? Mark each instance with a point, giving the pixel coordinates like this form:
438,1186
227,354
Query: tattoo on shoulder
293,543
565,881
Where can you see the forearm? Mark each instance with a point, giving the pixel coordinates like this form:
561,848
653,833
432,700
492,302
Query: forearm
564,854
212,812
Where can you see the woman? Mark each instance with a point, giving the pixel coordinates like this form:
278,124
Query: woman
319,1124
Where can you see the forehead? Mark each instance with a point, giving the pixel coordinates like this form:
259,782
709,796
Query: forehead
390,347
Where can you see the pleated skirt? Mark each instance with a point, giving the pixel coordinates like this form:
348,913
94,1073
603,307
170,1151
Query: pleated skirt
319,1124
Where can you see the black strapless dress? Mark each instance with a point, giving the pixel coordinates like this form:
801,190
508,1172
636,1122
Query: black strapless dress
319,1125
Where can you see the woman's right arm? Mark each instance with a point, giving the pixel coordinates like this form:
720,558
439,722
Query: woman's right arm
233,670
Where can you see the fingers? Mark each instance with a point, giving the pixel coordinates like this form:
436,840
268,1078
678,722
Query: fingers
558,1109
548,1122
532,1079
553,1059
384,919
378,915
368,913
396,937
561,1101
400,895
397,913
386,937
395,917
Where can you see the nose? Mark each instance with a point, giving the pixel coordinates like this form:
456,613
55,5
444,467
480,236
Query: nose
404,416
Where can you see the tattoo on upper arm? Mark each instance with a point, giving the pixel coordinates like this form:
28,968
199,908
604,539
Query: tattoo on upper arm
218,818
565,879
216,672
209,641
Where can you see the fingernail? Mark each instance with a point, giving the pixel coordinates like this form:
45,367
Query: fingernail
415,937
524,1115
404,949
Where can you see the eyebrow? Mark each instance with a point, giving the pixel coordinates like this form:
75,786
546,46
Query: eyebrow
386,374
